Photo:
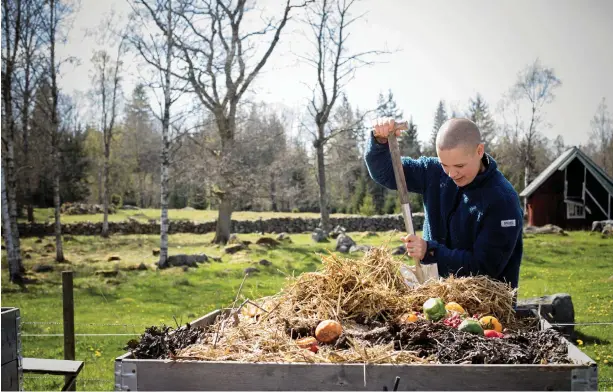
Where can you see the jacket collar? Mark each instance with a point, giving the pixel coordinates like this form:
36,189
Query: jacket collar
490,168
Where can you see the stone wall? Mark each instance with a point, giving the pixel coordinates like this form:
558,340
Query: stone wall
272,225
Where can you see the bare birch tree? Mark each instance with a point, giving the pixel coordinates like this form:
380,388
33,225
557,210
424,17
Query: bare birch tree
221,60
107,90
31,71
55,127
15,273
12,31
335,66
535,86
160,57
602,137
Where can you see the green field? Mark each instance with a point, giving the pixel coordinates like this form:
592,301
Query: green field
47,215
579,264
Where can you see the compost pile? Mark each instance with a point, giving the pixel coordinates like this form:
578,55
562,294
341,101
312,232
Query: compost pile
163,343
361,311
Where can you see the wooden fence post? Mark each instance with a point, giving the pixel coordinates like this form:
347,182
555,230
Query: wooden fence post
68,307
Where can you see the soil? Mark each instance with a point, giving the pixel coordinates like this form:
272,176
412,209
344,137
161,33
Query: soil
163,342
448,345
525,344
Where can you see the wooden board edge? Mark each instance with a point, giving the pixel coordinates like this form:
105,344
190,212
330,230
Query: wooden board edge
579,358
574,352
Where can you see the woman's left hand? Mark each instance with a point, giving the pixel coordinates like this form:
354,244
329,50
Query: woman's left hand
416,246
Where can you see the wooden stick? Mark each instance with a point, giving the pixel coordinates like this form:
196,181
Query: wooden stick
68,316
403,193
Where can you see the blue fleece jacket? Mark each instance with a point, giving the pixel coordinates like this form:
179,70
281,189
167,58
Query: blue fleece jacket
470,230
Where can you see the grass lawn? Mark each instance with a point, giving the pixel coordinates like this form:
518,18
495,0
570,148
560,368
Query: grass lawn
46,215
580,264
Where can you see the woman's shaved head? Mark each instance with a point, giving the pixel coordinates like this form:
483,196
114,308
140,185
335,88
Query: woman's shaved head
459,149
458,132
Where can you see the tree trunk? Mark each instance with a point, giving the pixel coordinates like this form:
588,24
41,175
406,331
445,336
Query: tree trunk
105,190
14,261
12,201
323,193
164,202
165,155
526,183
59,250
25,120
273,193
226,126
224,221
100,186
30,207
141,189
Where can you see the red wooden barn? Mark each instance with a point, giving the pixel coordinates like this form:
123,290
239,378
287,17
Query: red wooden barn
571,193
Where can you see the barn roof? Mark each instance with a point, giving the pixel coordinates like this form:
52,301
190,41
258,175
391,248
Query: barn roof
560,164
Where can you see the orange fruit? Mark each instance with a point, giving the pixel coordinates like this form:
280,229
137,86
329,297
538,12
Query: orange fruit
408,318
490,322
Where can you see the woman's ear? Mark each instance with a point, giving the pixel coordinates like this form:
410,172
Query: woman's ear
481,150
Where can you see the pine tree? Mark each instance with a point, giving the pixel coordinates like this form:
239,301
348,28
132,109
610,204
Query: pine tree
387,107
409,143
75,166
368,207
478,112
358,195
391,201
439,119
141,146
344,156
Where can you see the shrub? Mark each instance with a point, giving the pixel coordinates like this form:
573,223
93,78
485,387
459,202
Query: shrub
116,200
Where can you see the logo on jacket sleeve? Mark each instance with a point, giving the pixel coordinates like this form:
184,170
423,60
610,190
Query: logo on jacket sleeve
507,223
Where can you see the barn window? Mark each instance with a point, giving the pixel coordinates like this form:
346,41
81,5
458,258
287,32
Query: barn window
575,211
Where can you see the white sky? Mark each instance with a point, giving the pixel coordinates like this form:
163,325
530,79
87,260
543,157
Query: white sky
445,50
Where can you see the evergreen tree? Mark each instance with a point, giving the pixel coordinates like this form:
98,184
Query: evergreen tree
478,112
368,206
409,143
344,159
75,165
141,148
439,119
391,202
358,194
387,107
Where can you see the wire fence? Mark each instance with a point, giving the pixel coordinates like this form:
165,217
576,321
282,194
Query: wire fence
91,324
79,379
97,383
581,324
603,382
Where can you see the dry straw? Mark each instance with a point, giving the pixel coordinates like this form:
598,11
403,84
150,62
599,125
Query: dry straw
353,292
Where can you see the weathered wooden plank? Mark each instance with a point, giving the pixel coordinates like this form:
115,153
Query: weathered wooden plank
10,376
10,339
578,356
199,375
52,366
208,319
194,375
124,356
